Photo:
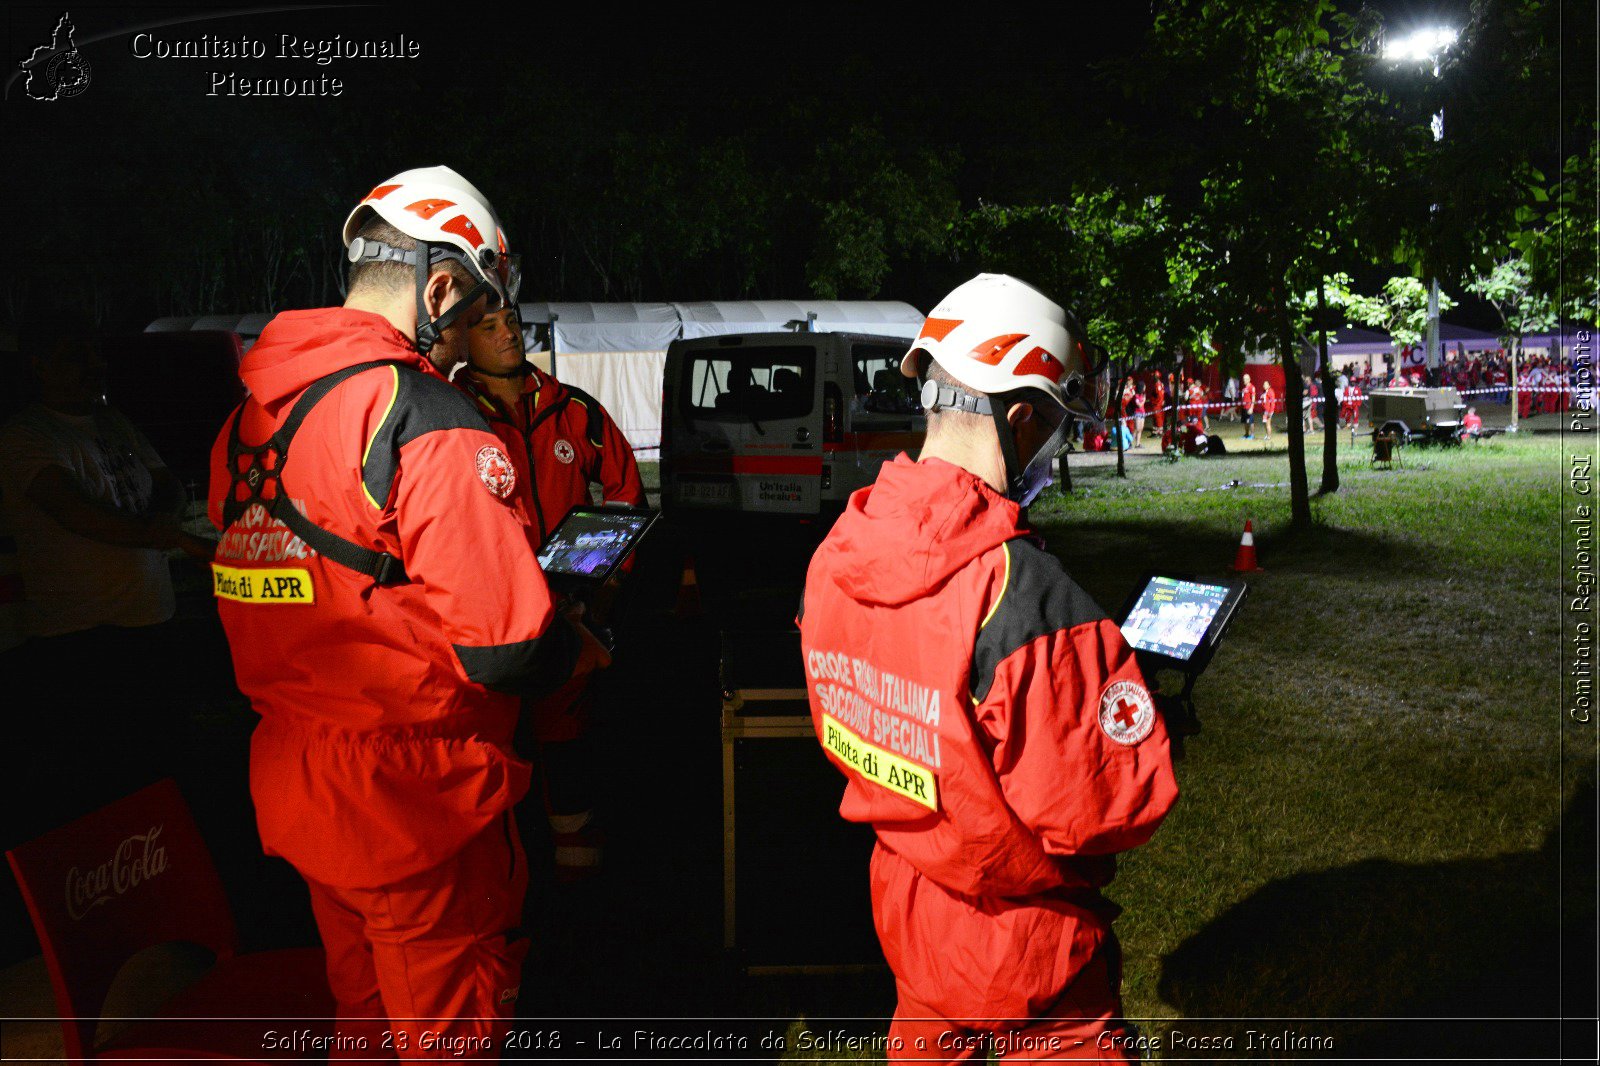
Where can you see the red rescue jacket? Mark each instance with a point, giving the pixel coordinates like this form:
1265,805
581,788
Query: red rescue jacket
992,727
561,440
383,745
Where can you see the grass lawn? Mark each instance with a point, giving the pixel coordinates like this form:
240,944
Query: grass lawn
1366,823
1370,821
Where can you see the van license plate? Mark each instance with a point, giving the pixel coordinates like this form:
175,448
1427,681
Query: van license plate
706,492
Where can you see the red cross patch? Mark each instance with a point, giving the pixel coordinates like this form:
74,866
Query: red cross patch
495,471
1127,714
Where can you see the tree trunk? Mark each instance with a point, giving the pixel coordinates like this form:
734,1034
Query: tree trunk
1122,470
1330,426
1516,353
1299,498
1172,423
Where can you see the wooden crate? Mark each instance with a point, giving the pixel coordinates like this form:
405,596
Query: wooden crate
795,886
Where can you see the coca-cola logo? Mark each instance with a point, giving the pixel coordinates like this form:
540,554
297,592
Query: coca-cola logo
136,860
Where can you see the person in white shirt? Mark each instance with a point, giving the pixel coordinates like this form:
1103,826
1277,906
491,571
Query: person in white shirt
94,513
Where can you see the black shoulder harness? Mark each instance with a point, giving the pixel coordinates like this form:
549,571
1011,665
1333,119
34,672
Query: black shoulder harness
383,568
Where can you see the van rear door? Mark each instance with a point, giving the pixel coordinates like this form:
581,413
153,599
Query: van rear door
747,434
885,415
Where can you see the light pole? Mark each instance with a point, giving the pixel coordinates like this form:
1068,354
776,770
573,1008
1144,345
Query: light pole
1426,46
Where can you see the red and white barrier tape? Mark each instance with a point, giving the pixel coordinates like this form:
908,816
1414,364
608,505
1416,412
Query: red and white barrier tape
1574,390
1278,408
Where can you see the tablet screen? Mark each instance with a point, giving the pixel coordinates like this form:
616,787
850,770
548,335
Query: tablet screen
1171,616
590,543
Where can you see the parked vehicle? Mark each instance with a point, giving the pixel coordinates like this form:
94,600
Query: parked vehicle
784,424
1417,415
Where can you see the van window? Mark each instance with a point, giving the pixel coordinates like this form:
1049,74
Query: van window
880,387
760,383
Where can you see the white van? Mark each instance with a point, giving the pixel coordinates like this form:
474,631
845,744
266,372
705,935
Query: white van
782,423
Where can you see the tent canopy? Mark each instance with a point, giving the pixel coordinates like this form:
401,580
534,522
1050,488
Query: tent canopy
1565,335
711,318
1450,333
1353,341
646,327
617,351
605,327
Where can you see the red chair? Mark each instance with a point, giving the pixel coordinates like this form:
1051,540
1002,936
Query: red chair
136,874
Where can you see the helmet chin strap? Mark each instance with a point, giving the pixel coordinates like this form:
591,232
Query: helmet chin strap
430,330
427,331
936,397
1008,447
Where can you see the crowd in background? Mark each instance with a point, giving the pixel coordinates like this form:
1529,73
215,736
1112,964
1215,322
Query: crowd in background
1543,387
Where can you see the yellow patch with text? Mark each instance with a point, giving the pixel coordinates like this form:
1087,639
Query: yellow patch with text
273,585
915,783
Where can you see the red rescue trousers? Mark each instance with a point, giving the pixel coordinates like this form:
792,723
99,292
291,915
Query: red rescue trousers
429,967
1085,1024
563,715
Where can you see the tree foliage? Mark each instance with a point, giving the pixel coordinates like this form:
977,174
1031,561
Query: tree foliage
1509,288
1400,308
1557,237
1121,262
1273,138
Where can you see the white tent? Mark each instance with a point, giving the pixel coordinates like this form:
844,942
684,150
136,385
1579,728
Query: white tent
713,318
616,351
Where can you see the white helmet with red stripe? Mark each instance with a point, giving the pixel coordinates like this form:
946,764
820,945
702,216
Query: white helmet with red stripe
996,334
1006,342
449,218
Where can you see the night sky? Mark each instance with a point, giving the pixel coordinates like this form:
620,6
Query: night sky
111,183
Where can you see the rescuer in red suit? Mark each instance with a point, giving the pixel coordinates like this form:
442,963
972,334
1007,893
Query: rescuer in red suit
1247,406
1269,406
561,441
990,720
385,609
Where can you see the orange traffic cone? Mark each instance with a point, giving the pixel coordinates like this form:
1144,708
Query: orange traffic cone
688,591
1244,560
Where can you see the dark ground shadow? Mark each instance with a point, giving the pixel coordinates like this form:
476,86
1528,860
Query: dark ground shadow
1511,937
1108,558
645,938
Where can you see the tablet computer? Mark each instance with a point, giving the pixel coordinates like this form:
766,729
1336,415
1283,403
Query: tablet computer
1177,621
589,545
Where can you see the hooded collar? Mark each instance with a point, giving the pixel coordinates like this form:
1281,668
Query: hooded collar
903,537
299,347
